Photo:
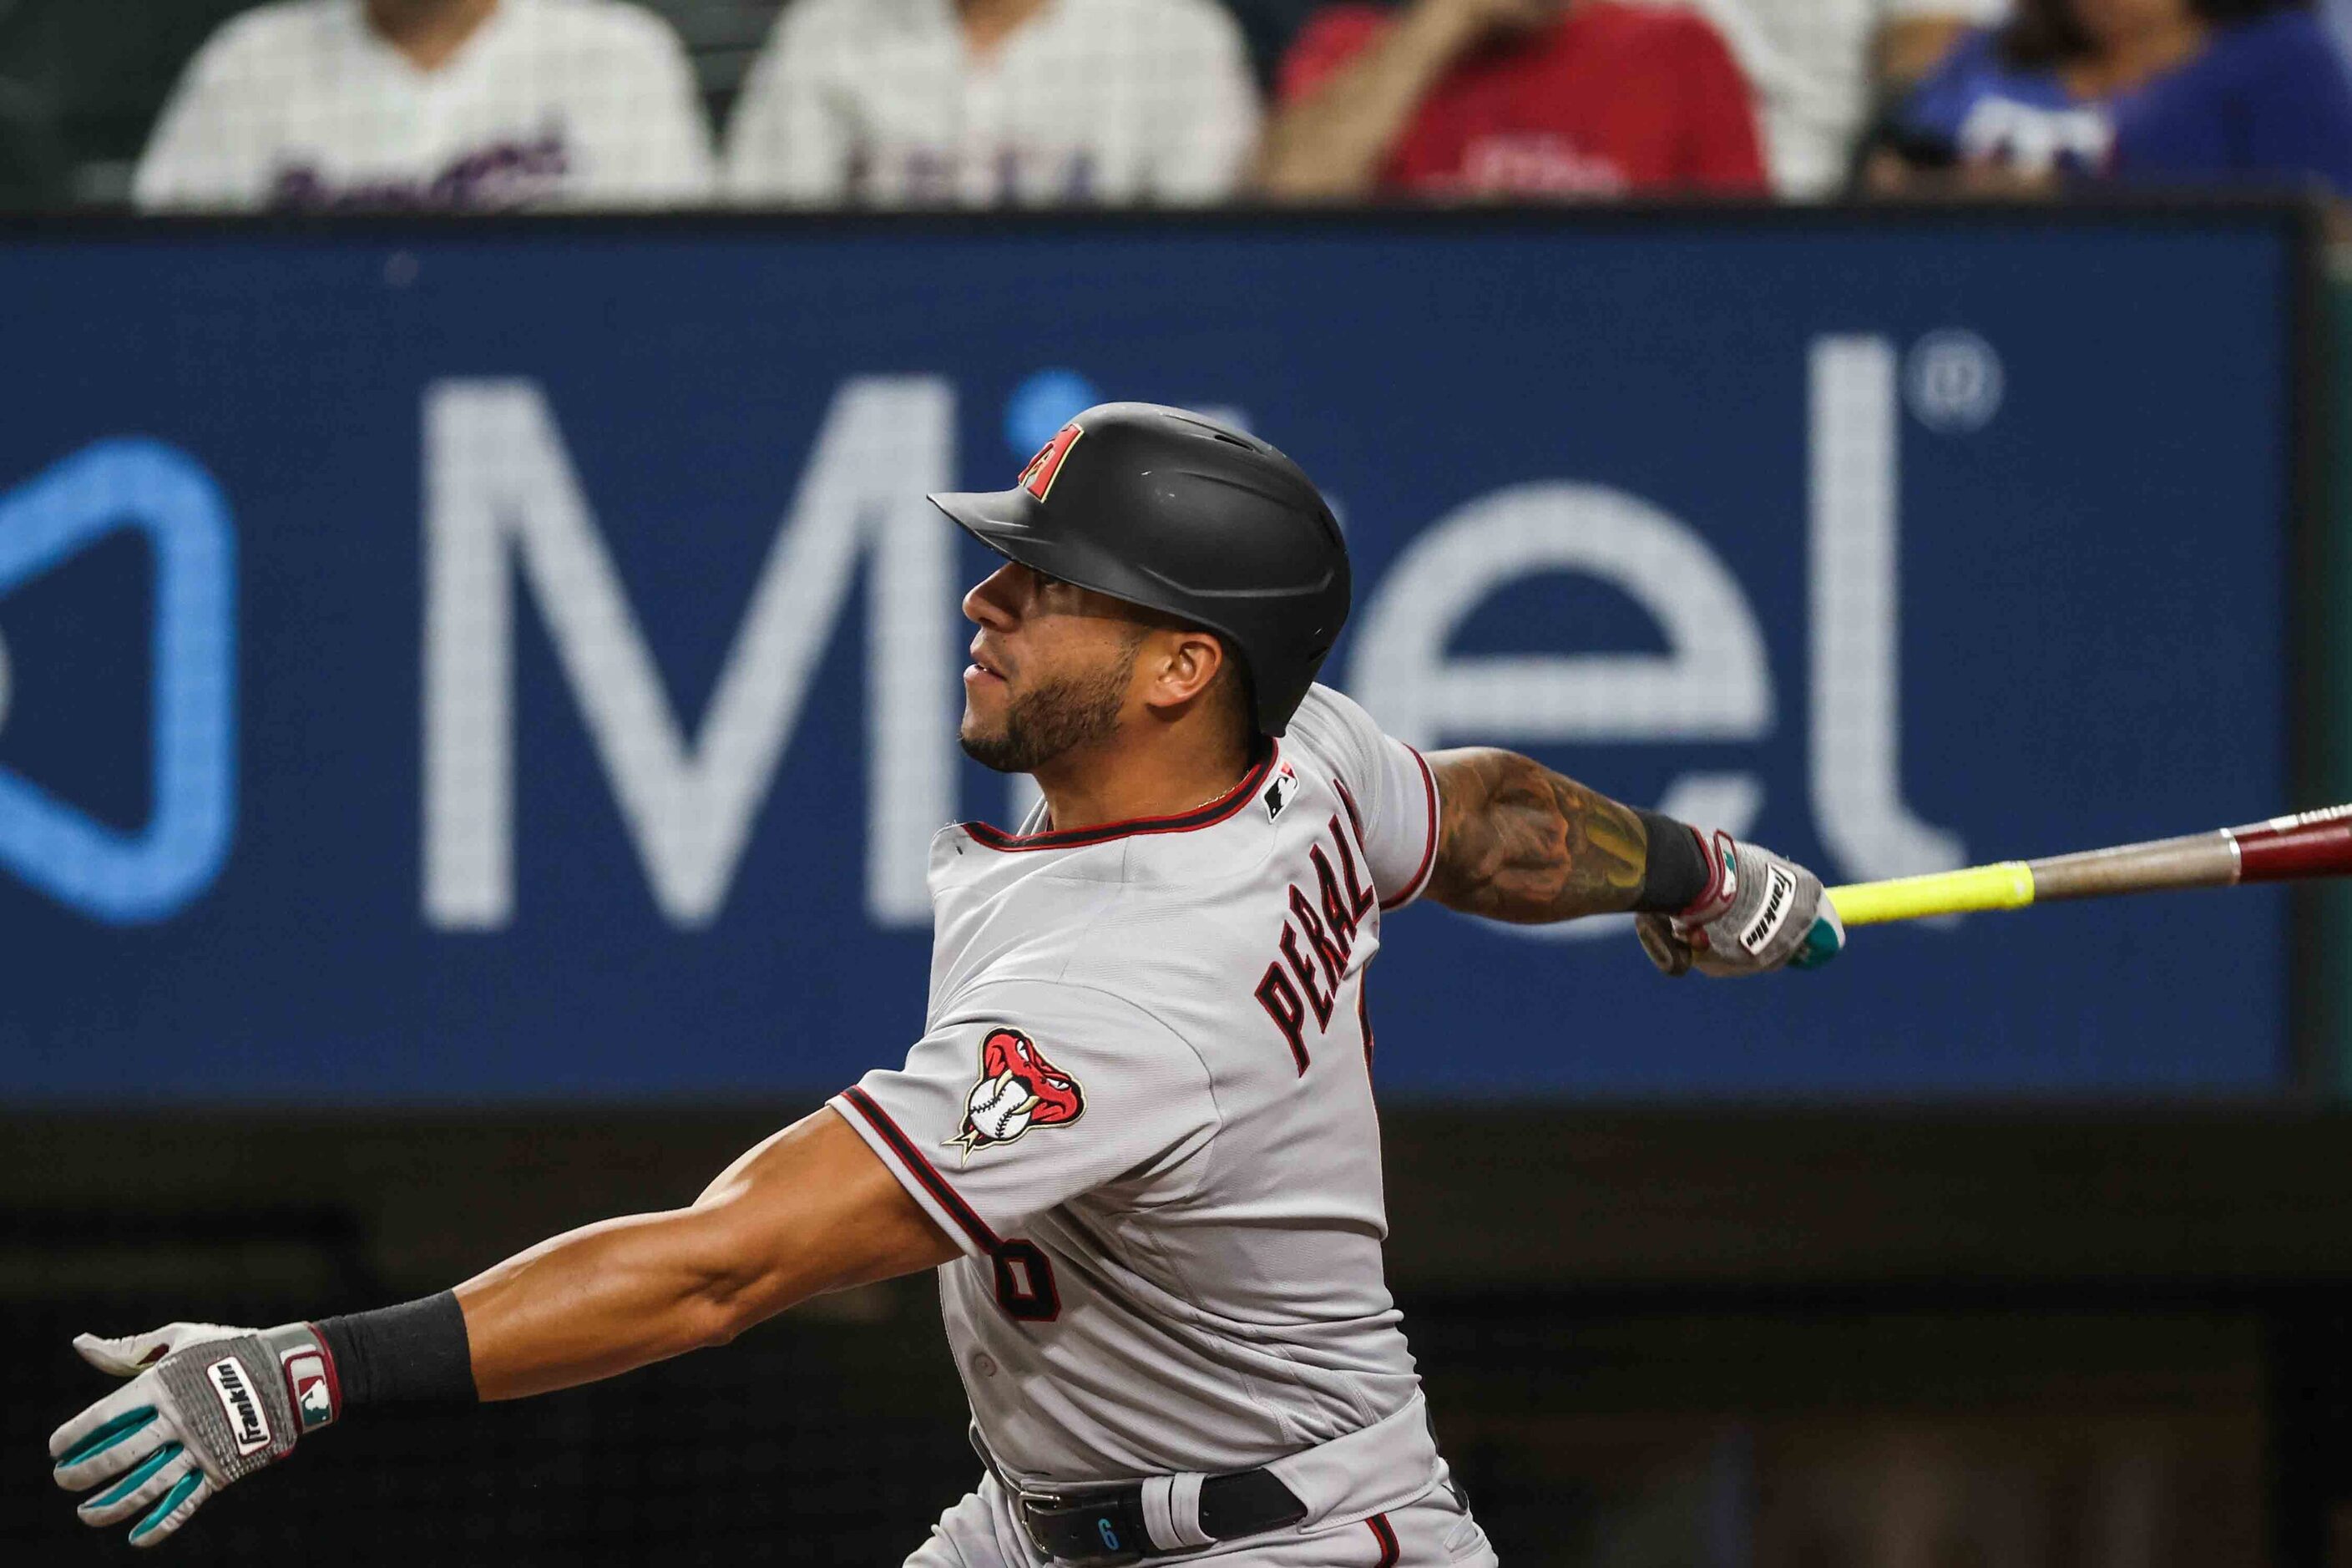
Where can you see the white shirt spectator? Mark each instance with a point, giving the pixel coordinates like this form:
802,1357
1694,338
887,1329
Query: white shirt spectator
1809,65
882,102
548,102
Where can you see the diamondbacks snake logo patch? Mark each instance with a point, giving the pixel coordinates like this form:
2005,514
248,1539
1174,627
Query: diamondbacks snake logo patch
1018,1089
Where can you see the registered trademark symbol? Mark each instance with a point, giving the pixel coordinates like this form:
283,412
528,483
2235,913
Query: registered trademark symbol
1953,382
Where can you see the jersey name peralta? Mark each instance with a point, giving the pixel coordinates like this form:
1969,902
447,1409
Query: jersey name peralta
1143,1109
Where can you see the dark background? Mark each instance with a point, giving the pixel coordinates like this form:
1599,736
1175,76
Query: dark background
1651,1337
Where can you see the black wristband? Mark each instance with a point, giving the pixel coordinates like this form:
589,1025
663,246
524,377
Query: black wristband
1674,872
414,1354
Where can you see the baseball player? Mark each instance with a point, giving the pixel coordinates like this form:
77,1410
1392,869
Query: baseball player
1137,1137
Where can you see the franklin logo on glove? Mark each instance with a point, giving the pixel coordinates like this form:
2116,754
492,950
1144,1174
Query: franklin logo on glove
247,1423
1780,890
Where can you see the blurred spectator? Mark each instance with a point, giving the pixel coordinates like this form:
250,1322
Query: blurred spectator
980,102
471,104
1509,98
2206,92
1816,67
2339,22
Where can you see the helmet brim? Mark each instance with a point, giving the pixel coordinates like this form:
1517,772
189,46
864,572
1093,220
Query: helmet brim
1012,525
1006,521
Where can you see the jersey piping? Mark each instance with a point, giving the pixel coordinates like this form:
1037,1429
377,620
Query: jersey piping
1200,816
925,1172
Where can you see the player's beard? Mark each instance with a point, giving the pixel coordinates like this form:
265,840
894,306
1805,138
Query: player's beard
1053,718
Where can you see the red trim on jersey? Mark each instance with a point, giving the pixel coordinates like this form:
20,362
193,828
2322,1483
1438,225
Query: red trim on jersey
1200,816
1381,1532
922,1171
1420,878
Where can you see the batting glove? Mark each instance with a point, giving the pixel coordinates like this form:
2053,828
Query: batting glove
205,1406
1759,913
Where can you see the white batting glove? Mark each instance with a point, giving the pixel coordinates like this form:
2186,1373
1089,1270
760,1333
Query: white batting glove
1759,913
205,1406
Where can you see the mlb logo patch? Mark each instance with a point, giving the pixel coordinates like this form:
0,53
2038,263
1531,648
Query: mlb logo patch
305,1381
1278,792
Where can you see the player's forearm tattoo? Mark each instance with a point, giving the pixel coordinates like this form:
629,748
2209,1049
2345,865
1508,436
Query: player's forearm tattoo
1517,842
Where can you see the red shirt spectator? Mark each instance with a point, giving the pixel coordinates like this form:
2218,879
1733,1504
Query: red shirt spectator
1605,100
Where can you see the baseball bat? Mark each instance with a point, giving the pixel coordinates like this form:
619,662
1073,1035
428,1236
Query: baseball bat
2283,849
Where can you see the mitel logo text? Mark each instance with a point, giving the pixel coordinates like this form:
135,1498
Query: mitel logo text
508,526
166,496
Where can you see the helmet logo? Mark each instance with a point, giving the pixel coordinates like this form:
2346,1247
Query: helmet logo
1037,478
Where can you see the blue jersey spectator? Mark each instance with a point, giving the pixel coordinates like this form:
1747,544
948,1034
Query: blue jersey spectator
2203,92
1993,102
2268,101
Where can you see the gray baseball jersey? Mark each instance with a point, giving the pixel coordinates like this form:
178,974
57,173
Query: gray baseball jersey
1143,1109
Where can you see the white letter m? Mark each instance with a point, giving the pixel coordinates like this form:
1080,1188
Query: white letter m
500,489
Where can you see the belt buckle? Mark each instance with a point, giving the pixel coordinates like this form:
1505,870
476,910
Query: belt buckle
1122,1539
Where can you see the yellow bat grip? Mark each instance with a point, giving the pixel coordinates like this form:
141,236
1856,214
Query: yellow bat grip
2006,886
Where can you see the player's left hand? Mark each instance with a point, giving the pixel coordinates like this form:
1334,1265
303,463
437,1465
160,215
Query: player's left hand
1759,913
205,1406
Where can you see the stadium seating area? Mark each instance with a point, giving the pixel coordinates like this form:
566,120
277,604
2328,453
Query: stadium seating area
986,102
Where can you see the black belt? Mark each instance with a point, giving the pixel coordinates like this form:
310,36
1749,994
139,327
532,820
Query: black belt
1100,1526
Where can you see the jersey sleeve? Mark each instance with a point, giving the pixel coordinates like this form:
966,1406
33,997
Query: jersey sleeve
654,148
1209,122
1029,1094
209,146
2297,114
1721,150
786,141
1387,784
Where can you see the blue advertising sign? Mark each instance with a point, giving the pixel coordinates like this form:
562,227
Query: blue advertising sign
460,664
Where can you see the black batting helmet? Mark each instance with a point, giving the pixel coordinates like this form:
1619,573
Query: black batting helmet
1165,509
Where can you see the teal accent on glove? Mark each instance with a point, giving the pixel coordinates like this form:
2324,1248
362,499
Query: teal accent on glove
1824,940
137,1478
164,1511
120,1429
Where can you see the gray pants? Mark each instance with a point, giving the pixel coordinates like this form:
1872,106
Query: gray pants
1431,1532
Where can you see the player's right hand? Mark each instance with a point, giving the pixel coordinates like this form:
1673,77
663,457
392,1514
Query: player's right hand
1761,912
205,1406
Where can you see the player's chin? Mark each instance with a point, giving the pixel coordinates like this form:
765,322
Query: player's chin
980,734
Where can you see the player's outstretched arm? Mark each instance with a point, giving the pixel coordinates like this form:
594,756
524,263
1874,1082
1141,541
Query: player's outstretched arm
808,1211
1518,842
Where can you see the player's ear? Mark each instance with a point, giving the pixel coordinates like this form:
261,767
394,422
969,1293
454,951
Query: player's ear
1185,666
